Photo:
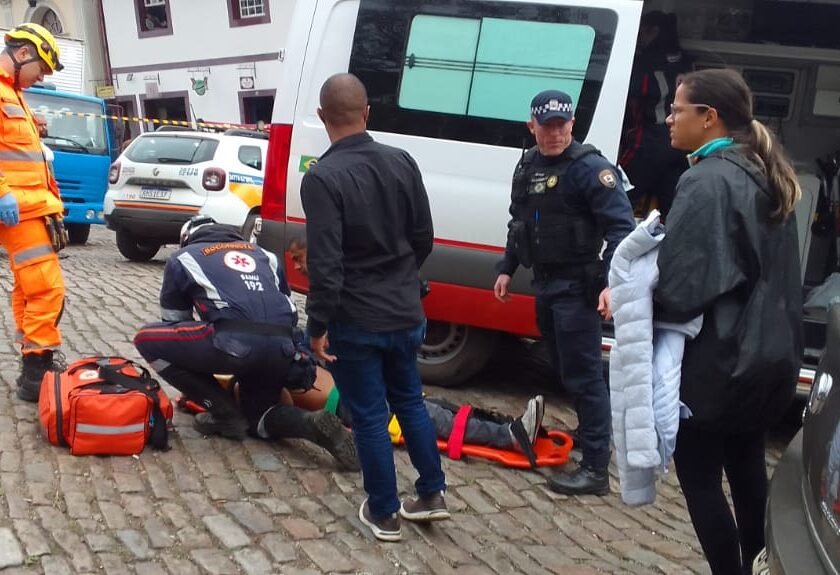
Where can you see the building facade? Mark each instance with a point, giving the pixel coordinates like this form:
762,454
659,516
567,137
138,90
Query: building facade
194,60
77,27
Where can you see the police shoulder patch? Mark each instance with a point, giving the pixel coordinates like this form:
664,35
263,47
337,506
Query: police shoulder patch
607,178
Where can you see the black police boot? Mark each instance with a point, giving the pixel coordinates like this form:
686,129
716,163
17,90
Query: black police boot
35,365
581,481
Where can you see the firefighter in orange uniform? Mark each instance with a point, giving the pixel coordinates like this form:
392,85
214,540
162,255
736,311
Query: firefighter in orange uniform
31,230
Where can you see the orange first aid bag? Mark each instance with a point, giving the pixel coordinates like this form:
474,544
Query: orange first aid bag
104,406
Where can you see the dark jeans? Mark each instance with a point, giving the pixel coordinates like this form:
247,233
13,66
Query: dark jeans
729,543
477,432
187,354
572,326
374,371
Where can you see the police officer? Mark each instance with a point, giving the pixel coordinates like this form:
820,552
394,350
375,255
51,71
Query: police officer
246,328
566,200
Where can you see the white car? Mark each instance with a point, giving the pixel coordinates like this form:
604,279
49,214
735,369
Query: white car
166,177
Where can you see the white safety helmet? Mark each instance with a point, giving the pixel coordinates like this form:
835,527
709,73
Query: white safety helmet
192,225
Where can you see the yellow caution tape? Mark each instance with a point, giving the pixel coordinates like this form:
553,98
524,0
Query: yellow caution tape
136,119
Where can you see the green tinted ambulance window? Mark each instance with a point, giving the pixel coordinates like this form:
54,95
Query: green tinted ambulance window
490,67
440,60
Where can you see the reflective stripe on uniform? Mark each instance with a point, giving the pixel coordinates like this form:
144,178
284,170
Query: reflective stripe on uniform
21,156
32,253
110,429
27,345
175,314
159,365
194,269
272,262
14,111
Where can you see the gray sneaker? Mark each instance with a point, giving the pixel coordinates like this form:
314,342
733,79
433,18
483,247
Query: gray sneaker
531,420
425,509
383,528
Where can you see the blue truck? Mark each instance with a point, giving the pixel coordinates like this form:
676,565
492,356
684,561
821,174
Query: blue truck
84,143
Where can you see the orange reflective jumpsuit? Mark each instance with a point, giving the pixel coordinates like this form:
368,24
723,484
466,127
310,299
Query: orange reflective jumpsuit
38,293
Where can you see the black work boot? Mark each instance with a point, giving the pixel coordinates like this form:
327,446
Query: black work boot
582,481
231,426
328,432
35,365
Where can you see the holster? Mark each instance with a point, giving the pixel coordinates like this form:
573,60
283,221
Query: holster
57,232
594,281
519,240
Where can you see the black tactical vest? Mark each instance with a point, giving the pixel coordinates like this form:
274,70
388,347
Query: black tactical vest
559,233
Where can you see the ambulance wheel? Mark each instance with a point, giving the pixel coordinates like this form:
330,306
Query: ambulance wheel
79,233
453,353
134,249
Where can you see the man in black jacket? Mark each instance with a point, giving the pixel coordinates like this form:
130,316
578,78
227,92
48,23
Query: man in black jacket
369,229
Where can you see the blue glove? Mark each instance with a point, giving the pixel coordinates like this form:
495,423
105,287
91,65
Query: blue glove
9,209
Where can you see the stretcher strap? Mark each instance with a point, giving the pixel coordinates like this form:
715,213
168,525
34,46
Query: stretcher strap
331,405
455,443
524,441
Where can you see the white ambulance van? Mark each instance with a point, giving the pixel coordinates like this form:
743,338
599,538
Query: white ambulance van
450,81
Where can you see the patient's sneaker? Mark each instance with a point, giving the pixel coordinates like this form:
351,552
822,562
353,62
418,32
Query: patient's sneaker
531,421
425,509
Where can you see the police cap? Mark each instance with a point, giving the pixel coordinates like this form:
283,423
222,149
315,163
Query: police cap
550,104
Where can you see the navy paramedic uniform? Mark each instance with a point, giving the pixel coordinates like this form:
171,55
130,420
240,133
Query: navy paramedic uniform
245,326
563,208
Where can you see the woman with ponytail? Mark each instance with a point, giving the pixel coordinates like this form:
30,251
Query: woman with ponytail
730,254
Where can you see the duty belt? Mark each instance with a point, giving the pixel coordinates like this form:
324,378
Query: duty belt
560,271
252,327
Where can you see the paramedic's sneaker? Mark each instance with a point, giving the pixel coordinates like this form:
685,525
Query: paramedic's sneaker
331,434
581,481
425,509
232,427
531,420
384,528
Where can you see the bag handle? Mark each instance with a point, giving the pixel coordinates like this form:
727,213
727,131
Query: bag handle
144,383
112,373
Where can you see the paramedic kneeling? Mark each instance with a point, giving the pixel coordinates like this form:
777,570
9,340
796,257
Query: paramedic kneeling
566,200
245,329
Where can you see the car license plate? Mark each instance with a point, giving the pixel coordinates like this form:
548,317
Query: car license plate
155,193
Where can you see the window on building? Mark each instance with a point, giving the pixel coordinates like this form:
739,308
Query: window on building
153,18
248,12
51,21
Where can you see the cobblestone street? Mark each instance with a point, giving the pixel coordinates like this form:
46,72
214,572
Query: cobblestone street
221,507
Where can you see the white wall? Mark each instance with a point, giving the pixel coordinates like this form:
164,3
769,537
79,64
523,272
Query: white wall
201,34
221,101
200,28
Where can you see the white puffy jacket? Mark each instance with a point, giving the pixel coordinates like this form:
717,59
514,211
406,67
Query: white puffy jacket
644,366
